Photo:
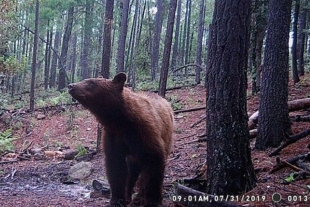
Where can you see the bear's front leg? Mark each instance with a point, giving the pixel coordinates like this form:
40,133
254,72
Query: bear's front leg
116,170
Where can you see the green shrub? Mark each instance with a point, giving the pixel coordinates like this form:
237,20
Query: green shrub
6,139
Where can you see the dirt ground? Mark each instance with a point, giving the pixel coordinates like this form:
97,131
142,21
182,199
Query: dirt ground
36,181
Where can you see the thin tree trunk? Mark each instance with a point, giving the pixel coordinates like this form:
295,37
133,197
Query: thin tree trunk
55,58
176,37
294,45
106,54
87,39
188,31
73,57
156,39
122,38
46,62
34,57
132,47
301,41
167,49
199,41
64,50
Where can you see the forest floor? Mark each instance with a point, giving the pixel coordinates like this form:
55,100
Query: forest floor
36,180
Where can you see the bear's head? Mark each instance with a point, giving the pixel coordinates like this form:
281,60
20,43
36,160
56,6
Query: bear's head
99,95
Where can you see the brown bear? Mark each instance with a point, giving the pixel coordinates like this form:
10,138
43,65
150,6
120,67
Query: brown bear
137,137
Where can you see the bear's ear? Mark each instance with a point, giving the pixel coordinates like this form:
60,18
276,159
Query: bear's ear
120,80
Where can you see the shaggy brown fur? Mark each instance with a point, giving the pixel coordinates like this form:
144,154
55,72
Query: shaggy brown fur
137,137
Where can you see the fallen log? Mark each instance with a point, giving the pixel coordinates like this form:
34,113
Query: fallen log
291,140
299,118
294,105
292,161
189,110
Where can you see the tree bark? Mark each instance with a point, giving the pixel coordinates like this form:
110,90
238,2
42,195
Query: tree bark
57,40
167,49
301,41
230,170
64,50
88,21
294,45
175,51
34,55
122,38
156,39
259,20
46,57
273,115
106,54
199,41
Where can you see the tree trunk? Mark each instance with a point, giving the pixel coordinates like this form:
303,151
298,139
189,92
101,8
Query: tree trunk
199,41
230,170
175,51
156,39
64,50
167,49
187,51
301,41
55,58
259,20
46,55
122,38
34,55
134,44
73,57
87,39
273,116
106,54
294,45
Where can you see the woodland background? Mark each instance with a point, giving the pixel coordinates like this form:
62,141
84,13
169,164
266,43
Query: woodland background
170,47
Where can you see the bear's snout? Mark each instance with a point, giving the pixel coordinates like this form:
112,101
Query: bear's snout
71,86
